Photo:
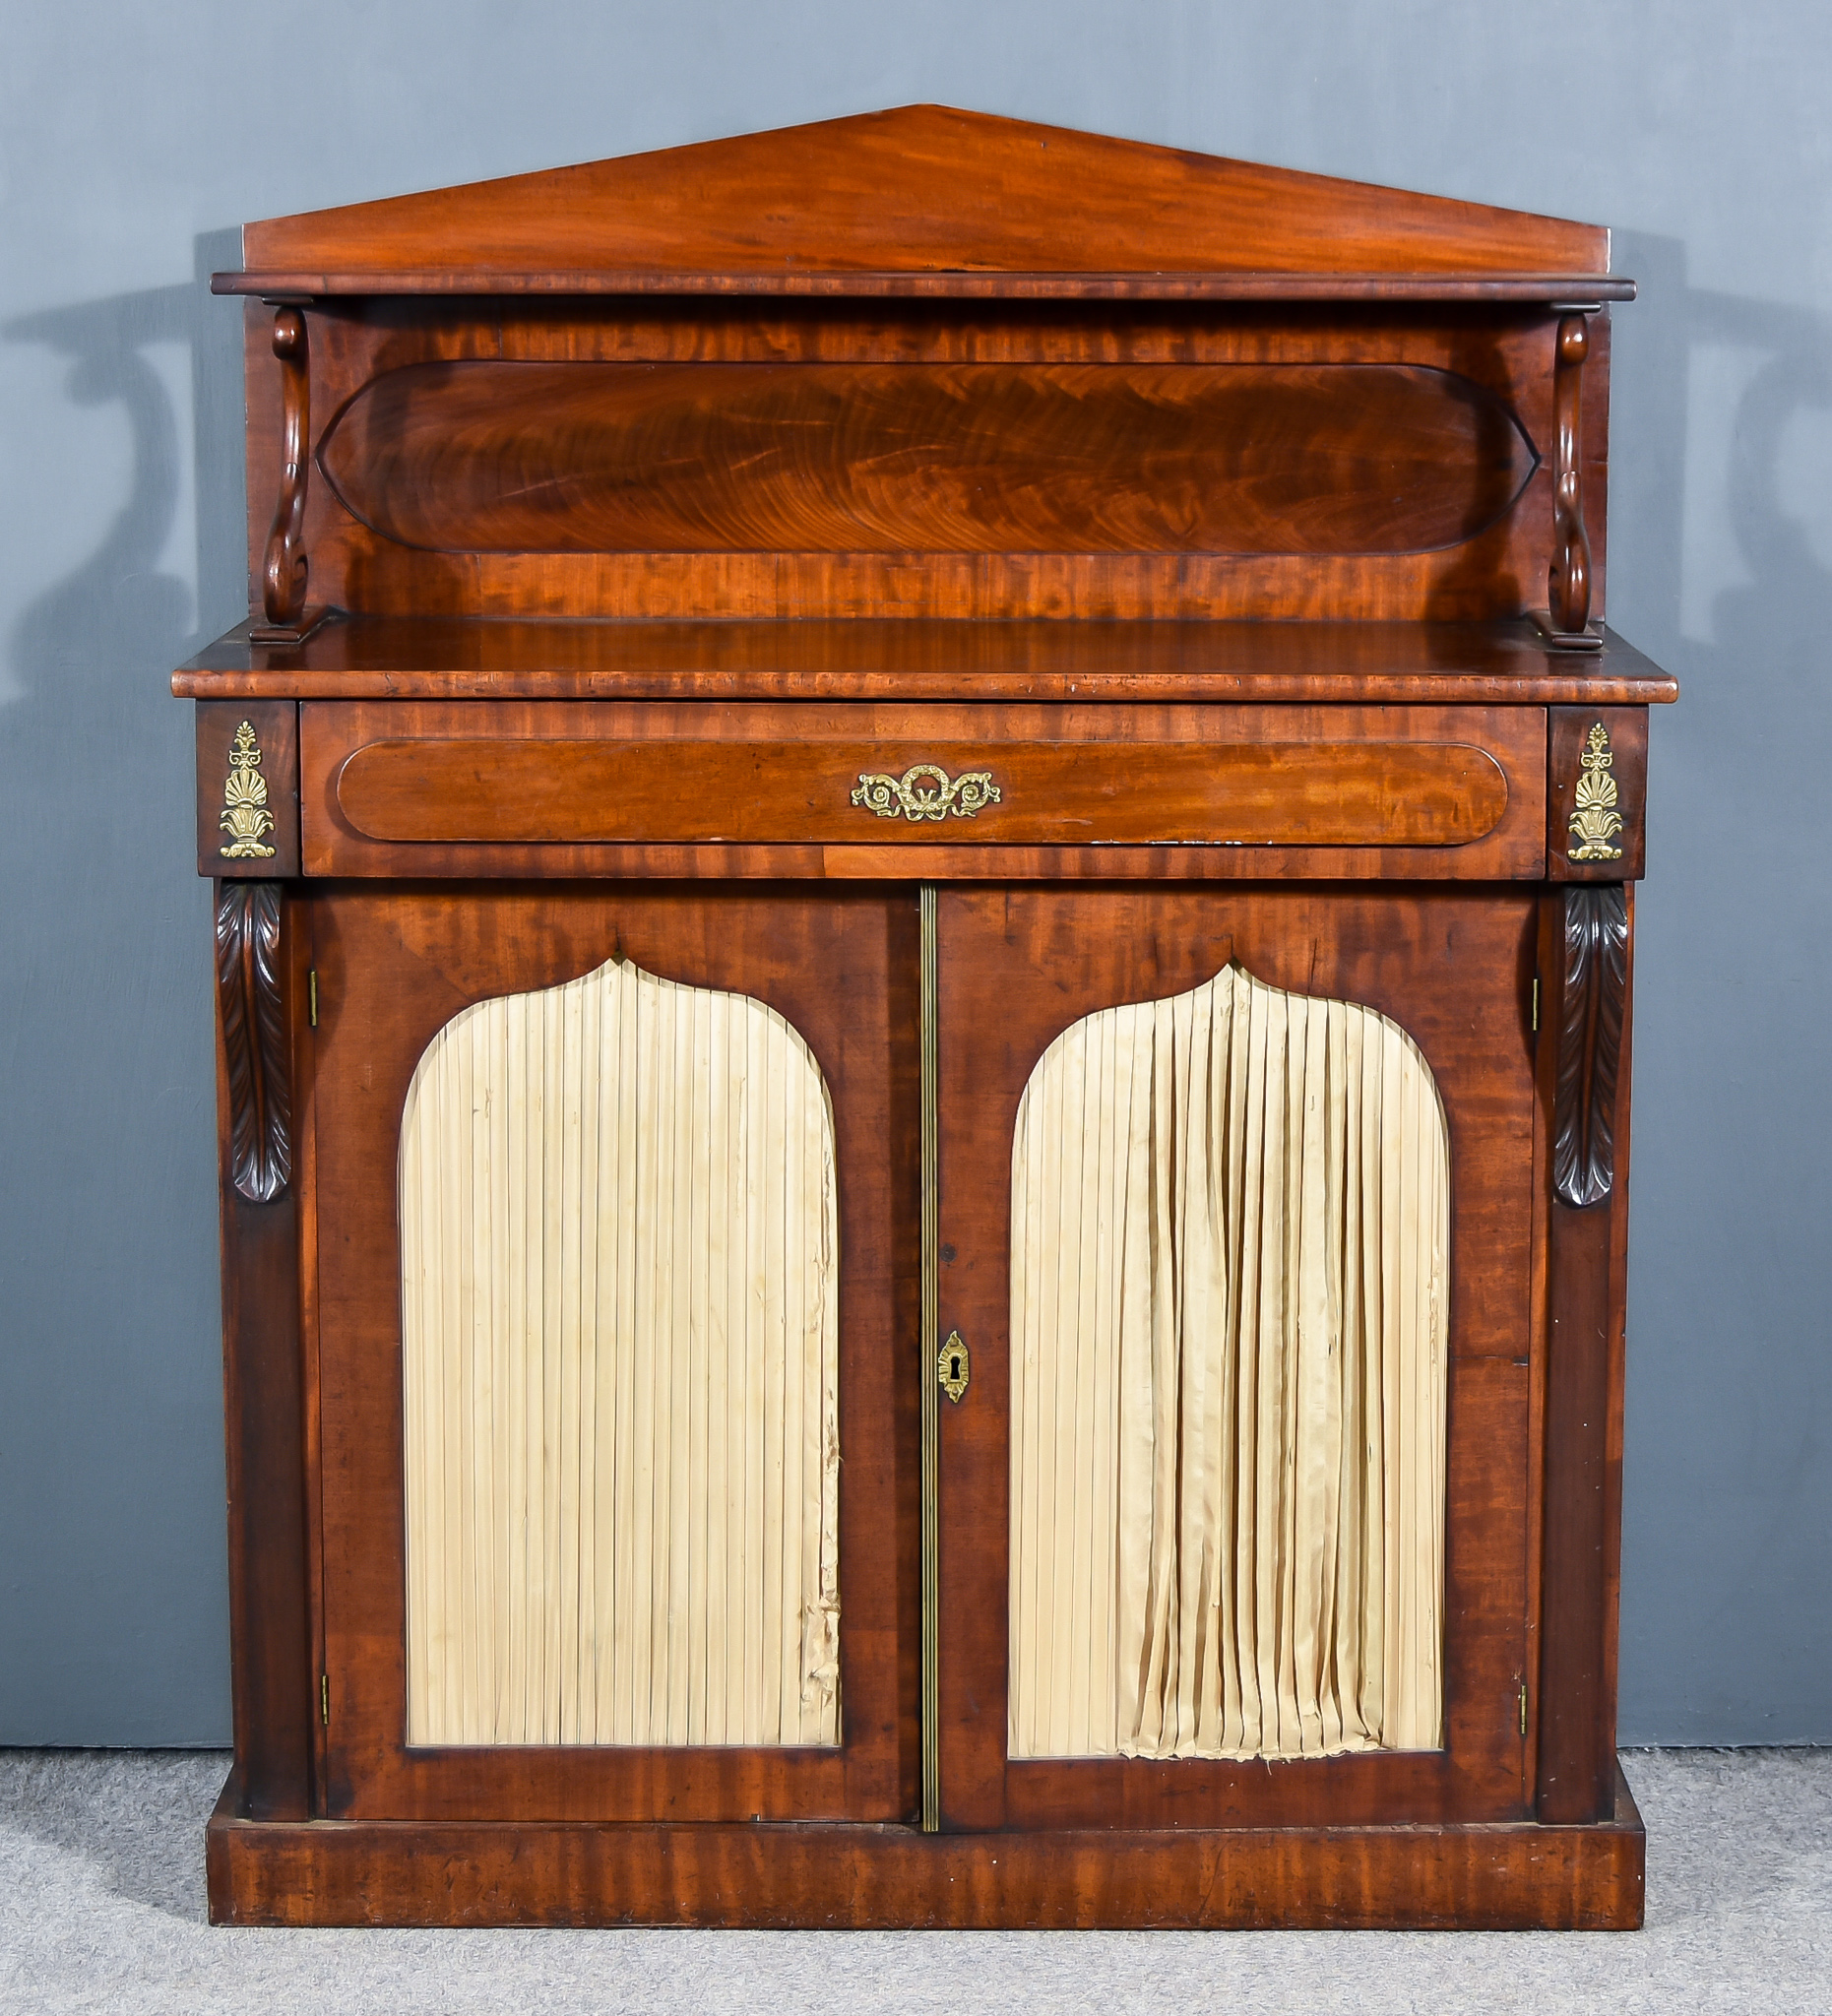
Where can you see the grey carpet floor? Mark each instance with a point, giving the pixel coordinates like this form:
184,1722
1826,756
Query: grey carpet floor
102,1908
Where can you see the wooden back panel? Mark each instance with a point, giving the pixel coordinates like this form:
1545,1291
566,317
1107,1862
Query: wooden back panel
750,459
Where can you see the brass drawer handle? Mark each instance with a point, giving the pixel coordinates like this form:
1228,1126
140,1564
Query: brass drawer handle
926,792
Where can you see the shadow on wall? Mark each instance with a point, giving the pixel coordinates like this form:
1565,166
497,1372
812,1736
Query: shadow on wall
117,606
1735,565
110,1383
1720,529
115,602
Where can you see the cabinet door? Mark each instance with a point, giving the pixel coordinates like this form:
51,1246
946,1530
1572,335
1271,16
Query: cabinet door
613,1193
1236,1221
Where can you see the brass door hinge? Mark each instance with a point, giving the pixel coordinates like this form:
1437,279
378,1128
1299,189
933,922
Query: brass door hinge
311,995
1536,1005
952,1370
324,1699
1523,1707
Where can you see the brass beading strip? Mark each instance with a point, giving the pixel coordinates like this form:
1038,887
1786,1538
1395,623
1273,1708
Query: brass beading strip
925,1366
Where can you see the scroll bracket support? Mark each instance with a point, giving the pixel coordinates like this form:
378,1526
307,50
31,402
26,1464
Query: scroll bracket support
1565,624
285,568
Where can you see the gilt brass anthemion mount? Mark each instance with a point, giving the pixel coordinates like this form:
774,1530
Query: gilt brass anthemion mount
245,816
1595,822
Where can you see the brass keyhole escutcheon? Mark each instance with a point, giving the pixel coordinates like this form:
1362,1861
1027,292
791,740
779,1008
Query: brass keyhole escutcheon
952,1370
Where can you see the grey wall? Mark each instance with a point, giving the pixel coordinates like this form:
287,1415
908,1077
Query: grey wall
136,140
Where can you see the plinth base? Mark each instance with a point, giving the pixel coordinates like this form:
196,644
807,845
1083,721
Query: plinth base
1491,1876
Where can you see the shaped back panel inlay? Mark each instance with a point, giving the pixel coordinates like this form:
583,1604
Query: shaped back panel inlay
619,1241
1230,1298
580,458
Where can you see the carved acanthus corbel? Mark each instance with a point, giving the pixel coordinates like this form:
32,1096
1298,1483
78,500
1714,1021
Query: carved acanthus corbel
252,1005
1590,1041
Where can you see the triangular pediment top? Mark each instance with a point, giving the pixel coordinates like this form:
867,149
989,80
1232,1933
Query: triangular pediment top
925,190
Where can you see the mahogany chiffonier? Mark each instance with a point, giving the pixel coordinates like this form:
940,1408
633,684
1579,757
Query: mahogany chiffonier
924,858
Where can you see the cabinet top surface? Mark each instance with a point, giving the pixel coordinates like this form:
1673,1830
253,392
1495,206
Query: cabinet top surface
1503,663
928,201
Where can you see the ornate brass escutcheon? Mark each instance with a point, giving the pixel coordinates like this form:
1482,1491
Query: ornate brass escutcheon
926,792
952,1369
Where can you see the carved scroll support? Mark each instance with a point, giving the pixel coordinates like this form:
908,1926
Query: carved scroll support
1568,580
286,569
252,1006
1590,1041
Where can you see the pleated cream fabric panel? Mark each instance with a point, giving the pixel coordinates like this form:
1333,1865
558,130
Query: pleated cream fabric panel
619,1240
1230,1218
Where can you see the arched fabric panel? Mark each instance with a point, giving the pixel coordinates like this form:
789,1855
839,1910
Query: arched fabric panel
1230,1293
619,1241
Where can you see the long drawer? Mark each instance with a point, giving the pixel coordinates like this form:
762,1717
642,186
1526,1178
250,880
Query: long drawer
508,788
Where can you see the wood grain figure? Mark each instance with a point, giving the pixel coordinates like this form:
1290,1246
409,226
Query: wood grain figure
528,458
922,190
